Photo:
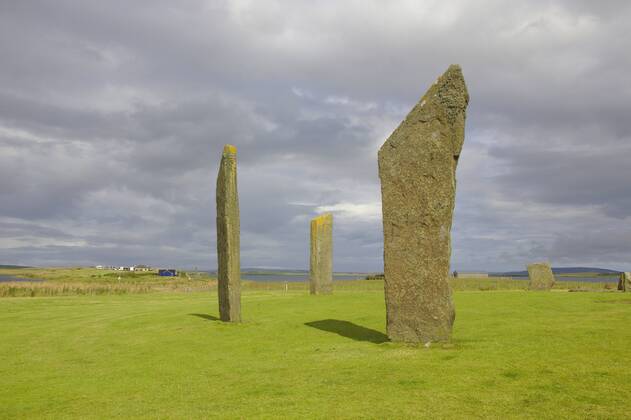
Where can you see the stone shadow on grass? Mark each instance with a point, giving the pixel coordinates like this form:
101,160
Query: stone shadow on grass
206,316
349,330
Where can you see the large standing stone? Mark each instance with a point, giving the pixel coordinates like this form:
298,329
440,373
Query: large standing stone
417,168
321,267
229,269
540,275
624,283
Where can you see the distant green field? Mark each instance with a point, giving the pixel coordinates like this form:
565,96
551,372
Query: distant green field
515,354
588,274
90,281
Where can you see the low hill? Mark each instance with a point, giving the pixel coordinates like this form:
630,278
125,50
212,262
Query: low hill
563,270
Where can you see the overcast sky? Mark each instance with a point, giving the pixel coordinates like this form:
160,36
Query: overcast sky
113,115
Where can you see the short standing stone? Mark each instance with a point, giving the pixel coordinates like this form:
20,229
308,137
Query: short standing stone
321,267
624,283
541,277
228,253
417,168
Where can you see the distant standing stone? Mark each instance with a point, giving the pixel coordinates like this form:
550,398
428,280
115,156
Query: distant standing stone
228,251
321,267
625,282
541,277
417,168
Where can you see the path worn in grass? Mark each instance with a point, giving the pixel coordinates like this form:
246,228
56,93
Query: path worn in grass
517,354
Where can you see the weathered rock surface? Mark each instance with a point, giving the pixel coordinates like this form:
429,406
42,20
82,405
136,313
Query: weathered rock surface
321,266
624,283
541,277
417,168
228,247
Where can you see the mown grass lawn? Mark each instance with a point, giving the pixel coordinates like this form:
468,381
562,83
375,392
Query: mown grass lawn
514,354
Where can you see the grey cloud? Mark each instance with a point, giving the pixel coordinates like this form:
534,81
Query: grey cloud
113,116
570,177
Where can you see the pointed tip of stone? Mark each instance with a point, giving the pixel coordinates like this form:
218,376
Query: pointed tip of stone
230,149
446,98
454,68
449,92
453,76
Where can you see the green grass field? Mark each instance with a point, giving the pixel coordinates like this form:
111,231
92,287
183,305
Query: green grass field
515,354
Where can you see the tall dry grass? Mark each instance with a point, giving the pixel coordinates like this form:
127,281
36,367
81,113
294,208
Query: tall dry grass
56,288
33,289
508,283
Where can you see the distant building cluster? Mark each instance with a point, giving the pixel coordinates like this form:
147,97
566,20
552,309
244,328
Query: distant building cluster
139,267
164,272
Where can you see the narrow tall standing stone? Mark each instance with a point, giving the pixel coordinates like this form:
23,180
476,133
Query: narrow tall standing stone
228,254
321,267
417,168
624,283
541,276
